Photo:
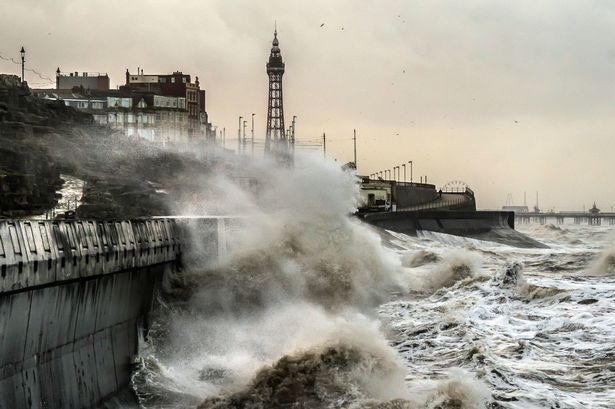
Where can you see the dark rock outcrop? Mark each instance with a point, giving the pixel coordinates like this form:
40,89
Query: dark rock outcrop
124,177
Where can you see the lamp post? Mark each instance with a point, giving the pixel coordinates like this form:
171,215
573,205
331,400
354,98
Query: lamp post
239,136
244,136
354,140
404,166
410,162
23,61
252,133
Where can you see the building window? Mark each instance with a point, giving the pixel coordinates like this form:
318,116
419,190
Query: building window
184,79
163,80
173,80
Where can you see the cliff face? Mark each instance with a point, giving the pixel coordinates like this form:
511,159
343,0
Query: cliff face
29,177
124,178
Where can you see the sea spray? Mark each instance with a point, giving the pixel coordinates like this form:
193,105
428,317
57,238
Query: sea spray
300,275
604,264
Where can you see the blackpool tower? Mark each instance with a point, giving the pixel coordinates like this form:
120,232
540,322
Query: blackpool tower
276,142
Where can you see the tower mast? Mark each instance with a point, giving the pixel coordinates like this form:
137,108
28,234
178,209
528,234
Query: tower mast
276,141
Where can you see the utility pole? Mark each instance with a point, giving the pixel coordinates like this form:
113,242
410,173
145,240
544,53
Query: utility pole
253,133
324,146
224,137
354,139
410,162
239,136
23,62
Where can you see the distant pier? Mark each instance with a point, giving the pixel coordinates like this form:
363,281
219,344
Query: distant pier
591,219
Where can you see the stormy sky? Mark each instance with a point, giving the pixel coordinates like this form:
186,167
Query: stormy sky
506,96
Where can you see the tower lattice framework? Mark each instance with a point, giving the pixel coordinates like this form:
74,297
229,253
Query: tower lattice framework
276,142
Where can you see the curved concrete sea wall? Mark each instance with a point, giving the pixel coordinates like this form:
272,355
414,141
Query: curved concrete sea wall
73,295
493,226
407,195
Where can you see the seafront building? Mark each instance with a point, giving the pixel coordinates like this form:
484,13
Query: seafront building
162,108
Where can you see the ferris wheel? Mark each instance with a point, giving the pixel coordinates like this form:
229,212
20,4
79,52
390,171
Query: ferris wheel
455,186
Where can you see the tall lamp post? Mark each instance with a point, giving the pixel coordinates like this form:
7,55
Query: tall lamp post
410,162
404,166
239,136
244,136
23,61
252,133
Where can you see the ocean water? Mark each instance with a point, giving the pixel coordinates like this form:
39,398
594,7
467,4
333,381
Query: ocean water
544,341
310,308
467,324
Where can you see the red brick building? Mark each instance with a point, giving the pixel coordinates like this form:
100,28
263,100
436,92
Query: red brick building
177,84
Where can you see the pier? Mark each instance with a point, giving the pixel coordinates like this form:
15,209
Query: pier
592,219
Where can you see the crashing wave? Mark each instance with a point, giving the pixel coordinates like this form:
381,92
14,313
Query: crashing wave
604,265
513,277
344,375
455,267
418,258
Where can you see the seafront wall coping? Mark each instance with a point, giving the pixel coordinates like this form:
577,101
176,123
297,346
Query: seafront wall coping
41,252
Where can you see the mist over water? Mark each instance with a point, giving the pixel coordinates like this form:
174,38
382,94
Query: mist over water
308,307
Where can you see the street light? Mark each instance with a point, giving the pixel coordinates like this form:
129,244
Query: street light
404,166
410,162
253,134
23,61
244,136
239,136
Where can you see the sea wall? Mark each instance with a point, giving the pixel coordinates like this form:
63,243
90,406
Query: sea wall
492,226
407,195
74,296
